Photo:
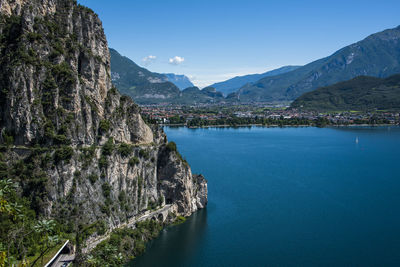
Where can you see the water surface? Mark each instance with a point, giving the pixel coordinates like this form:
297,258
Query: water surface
288,197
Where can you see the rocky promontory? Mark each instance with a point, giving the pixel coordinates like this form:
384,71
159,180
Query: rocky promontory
78,152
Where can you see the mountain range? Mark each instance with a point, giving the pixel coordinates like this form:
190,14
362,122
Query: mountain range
377,55
142,85
147,87
362,93
234,84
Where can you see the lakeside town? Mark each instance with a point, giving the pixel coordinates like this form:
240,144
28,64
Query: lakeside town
261,114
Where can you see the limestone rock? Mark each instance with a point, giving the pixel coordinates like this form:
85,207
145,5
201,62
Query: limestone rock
103,162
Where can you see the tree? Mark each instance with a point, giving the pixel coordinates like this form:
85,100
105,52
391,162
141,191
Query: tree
47,238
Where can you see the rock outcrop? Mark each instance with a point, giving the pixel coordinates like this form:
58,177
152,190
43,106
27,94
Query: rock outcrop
99,160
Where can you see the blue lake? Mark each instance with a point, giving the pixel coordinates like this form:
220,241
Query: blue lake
288,197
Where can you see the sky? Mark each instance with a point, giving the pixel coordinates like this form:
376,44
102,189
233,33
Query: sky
214,40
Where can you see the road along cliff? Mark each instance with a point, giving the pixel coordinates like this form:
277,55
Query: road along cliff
78,151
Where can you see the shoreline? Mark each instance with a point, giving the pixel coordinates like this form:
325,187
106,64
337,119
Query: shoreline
277,126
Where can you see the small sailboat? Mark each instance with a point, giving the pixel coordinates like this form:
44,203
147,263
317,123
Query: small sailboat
357,140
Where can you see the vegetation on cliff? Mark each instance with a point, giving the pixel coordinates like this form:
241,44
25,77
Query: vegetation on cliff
77,159
124,244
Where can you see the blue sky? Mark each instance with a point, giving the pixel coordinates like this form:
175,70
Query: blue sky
212,41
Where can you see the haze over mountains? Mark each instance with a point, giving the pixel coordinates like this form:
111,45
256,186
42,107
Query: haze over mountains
232,85
181,81
139,83
147,87
377,55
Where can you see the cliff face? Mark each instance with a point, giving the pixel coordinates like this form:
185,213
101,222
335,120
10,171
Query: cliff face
101,161
56,65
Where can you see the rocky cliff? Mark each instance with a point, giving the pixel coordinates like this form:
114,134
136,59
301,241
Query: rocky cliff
86,154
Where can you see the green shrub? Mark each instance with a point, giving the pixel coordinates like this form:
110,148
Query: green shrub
133,161
122,197
64,73
104,126
87,155
48,130
113,90
33,36
70,118
61,139
171,146
101,227
179,220
3,170
106,190
86,231
108,147
57,46
108,202
46,159
125,150
124,98
105,209
161,201
93,178
103,163
49,87
151,205
144,154
8,138
64,153
126,242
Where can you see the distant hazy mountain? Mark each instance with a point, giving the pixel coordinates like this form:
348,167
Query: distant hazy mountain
360,93
181,81
378,55
147,87
142,85
235,83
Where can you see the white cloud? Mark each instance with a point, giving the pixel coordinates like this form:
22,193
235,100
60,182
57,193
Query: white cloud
176,60
148,60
